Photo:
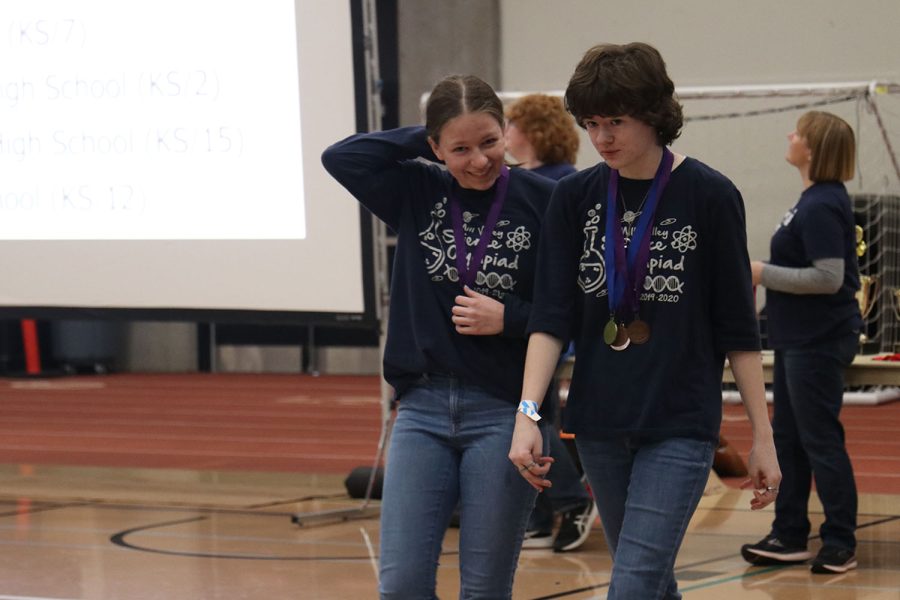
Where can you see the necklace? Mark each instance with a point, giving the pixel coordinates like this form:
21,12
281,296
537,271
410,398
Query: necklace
630,215
626,268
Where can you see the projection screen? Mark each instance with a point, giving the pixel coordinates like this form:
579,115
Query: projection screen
165,156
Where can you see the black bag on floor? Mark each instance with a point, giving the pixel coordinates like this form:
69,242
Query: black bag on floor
358,480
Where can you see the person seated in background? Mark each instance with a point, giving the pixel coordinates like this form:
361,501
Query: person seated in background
542,137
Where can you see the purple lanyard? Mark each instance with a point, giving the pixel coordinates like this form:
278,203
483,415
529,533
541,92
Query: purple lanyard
468,270
628,272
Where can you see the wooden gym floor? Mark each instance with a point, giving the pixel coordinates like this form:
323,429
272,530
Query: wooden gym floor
140,487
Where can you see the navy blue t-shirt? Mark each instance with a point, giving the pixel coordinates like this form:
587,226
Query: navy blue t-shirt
820,225
555,171
411,197
697,298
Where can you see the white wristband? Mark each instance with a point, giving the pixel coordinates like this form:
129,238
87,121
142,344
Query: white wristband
529,408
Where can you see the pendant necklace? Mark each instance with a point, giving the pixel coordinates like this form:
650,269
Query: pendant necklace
627,264
629,216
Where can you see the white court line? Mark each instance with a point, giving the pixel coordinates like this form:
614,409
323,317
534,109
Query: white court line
31,598
372,559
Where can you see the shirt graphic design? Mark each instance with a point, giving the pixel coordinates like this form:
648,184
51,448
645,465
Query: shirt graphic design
496,274
787,218
669,245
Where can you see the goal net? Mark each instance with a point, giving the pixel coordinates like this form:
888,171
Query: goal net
742,130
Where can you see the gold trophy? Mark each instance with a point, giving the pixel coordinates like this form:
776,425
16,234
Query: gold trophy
868,284
896,295
867,294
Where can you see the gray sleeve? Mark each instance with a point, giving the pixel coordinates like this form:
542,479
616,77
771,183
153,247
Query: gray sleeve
824,277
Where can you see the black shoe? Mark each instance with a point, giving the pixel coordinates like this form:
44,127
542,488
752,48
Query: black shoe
771,551
454,519
536,538
575,527
831,560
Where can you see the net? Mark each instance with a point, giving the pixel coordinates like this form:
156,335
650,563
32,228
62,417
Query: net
741,131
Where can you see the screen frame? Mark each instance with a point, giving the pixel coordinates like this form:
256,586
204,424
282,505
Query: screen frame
368,317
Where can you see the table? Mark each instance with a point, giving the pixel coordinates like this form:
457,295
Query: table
863,371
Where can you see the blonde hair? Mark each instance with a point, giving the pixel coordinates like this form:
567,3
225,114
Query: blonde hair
547,126
832,145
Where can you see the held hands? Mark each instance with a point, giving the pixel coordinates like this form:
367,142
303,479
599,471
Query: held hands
477,314
525,453
765,476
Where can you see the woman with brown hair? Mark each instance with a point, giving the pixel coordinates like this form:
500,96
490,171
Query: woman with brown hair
814,324
461,294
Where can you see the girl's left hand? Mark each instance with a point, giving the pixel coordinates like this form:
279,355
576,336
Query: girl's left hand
477,314
765,475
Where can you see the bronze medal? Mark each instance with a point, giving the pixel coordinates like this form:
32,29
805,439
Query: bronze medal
610,331
622,340
638,331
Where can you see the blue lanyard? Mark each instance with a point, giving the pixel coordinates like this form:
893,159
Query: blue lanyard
628,271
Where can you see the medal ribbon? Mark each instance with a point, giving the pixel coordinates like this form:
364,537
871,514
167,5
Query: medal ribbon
627,272
468,270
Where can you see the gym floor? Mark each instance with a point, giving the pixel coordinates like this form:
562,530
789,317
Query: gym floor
187,487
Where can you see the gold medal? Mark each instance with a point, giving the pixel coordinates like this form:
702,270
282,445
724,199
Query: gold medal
622,340
610,331
638,331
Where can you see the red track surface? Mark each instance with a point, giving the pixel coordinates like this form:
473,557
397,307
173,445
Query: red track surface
197,421
291,423
873,441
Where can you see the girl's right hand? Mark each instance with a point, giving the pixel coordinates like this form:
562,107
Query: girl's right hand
526,453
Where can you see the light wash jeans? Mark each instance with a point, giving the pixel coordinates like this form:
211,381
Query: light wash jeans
646,493
450,444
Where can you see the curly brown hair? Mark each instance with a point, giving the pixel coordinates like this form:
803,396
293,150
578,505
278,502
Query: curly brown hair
547,126
615,80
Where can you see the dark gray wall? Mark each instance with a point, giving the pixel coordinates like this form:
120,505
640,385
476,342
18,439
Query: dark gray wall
443,37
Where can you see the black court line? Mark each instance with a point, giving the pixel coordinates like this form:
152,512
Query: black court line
813,512
118,539
589,588
41,507
756,571
251,509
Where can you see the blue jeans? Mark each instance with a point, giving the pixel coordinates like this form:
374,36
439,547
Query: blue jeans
809,438
646,493
450,444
